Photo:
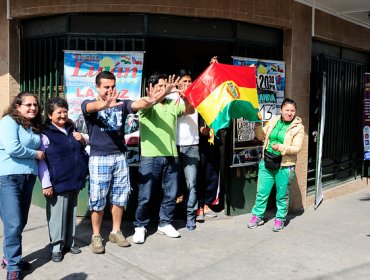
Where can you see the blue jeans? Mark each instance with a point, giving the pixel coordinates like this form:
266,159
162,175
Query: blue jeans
15,201
189,162
154,171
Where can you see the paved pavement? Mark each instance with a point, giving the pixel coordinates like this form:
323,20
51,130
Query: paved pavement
332,242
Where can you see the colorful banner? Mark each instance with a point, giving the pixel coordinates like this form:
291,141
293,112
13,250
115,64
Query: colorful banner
224,92
366,117
270,84
247,150
81,68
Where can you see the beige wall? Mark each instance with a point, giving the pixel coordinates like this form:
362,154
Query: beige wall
9,58
4,58
338,31
297,55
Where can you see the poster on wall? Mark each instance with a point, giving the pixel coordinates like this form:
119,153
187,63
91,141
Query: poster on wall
247,150
366,118
80,70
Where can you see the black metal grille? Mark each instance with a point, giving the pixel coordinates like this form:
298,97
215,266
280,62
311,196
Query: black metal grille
42,59
342,144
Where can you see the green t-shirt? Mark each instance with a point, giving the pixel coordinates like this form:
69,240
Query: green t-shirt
158,129
277,135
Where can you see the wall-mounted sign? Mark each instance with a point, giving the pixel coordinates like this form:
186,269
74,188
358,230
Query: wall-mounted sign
247,150
366,116
80,70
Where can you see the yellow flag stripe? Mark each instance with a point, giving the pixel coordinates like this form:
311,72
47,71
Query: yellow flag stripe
215,102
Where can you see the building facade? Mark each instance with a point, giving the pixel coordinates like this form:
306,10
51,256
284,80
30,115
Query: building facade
186,34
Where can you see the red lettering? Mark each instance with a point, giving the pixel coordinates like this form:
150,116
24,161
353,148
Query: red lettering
123,94
77,69
78,93
133,71
91,71
89,93
119,72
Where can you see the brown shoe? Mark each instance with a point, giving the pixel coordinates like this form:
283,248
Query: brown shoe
96,245
119,239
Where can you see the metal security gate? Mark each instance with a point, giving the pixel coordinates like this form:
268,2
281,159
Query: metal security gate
342,149
162,37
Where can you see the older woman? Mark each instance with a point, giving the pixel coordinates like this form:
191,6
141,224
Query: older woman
62,175
19,150
283,140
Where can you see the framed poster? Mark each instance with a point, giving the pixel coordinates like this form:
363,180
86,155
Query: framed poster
247,149
80,70
366,118
270,74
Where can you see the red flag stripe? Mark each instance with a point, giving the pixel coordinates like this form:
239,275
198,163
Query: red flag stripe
215,75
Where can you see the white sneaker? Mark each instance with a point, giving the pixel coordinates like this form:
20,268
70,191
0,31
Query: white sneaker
139,236
168,230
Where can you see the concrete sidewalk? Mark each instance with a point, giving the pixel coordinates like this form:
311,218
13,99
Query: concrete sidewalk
332,242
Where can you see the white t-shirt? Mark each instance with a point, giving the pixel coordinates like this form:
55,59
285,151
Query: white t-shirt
187,126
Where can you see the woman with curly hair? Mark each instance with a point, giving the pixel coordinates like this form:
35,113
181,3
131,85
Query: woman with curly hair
19,151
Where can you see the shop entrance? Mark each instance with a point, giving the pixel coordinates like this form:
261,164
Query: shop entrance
342,146
170,43
170,55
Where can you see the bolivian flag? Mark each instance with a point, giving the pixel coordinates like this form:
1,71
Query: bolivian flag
224,92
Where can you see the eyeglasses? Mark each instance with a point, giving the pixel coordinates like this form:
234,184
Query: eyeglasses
29,105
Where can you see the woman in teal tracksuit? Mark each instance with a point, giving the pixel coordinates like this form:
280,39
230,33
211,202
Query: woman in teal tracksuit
283,137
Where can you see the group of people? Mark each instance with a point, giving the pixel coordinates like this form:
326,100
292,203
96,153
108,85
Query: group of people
172,138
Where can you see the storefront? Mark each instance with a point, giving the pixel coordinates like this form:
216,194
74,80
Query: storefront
169,43
176,35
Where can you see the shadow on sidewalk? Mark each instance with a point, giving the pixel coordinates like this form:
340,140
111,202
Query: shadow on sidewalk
84,230
270,215
75,276
38,259
365,198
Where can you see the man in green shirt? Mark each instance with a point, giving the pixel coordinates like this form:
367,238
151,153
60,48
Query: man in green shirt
159,158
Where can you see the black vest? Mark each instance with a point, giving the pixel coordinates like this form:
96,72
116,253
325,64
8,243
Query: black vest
66,159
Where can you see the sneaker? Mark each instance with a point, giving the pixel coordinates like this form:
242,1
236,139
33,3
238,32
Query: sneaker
24,264
278,226
4,263
200,215
168,230
209,213
13,275
73,250
119,239
96,245
57,256
190,223
139,236
255,221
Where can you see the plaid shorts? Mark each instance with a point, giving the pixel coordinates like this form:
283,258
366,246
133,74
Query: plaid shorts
108,173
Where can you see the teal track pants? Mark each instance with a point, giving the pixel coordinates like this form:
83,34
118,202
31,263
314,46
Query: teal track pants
282,177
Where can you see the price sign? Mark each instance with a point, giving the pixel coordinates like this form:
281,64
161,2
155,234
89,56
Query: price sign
266,82
267,111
